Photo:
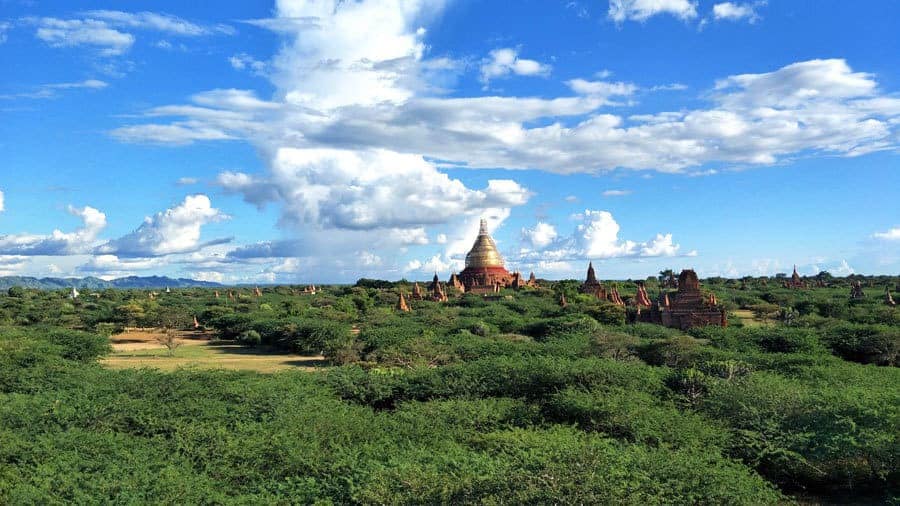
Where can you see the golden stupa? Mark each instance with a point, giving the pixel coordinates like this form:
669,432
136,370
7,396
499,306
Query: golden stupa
484,252
484,272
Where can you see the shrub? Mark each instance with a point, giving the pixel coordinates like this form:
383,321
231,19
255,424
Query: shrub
554,327
678,351
866,344
249,338
75,345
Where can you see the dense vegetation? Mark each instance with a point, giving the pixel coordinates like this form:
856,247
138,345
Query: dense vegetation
508,401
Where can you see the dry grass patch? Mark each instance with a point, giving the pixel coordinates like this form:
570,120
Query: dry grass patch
137,348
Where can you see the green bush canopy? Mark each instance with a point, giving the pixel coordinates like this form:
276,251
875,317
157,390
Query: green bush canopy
508,401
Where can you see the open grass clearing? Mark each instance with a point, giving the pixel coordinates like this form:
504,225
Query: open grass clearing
138,348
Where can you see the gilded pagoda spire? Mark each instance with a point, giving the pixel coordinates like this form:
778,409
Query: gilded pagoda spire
484,252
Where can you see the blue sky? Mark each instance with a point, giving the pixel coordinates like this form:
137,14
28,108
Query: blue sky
323,141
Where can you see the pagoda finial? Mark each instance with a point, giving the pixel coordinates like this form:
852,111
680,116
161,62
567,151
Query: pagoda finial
482,228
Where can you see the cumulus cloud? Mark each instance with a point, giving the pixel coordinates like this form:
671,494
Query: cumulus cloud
175,230
817,106
889,235
81,240
641,10
362,190
596,236
351,132
735,11
505,61
540,236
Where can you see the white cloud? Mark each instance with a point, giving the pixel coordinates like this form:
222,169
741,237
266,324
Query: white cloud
52,90
660,246
81,240
175,230
111,266
735,11
351,127
94,84
641,10
212,276
889,235
435,264
812,107
83,32
441,239
243,61
187,181
596,236
2,208
616,193
353,53
541,236
158,22
11,265
104,29
362,190
505,61
843,269
601,88
4,28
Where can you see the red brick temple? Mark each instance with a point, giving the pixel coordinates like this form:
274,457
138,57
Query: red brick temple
687,308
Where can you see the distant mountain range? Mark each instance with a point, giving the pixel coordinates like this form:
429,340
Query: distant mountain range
92,283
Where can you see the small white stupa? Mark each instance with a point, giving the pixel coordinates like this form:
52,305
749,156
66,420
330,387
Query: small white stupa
74,294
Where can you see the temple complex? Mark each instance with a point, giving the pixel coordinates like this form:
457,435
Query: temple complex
795,281
687,308
436,290
485,272
591,286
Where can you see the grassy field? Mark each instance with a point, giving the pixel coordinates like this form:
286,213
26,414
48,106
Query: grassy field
747,318
140,348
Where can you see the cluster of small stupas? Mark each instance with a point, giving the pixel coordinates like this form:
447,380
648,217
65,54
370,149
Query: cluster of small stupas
685,308
795,282
485,274
592,286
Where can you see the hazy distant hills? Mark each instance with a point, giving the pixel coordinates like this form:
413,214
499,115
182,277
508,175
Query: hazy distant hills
92,283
